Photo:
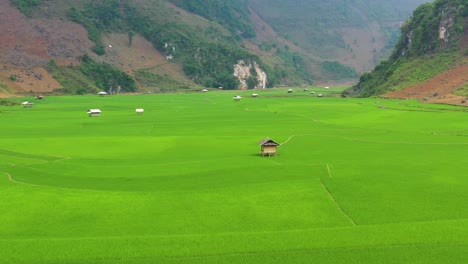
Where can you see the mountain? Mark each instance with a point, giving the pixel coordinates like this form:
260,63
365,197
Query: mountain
429,62
83,46
356,33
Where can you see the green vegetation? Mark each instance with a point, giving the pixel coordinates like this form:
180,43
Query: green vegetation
6,102
159,83
13,77
107,77
296,64
91,77
463,91
317,25
98,17
234,15
420,54
393,75
338,70
183,182
420,35
207,55
26,6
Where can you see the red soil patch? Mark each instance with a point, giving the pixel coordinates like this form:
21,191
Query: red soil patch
140,55
36,80
439,89
27,44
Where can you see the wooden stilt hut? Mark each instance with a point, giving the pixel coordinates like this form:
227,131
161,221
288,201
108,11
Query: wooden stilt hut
268,147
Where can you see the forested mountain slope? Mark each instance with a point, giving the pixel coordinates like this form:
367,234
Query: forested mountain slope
357,33
159,45
429,61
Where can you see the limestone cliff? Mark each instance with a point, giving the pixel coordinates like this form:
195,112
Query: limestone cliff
250,75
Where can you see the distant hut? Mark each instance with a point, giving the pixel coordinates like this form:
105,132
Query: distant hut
204,90
237,98
290,90
39,97
103,93
312,92
27,104
255,95
320,95
139,110
268,147
94,112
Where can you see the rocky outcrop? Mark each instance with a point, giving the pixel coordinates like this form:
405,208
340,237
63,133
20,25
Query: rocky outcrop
445,26
248,72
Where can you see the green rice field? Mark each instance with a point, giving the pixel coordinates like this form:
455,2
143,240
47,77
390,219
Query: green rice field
354,181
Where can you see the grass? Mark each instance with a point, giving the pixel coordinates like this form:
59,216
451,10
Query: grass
183,182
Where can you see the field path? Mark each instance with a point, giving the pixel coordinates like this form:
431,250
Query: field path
10,178
329,172
330,195
286,142
403,143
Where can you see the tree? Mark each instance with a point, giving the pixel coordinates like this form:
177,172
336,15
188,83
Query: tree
252,81
130,38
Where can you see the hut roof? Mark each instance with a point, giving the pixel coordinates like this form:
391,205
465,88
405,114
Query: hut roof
268,142
94,111
27,103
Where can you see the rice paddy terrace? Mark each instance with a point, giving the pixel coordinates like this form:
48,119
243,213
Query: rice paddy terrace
354,181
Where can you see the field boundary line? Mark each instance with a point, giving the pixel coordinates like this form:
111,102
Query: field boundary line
10,178
329,172
337,204
403,143
287,141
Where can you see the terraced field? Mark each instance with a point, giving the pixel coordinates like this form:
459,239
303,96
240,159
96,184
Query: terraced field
355,181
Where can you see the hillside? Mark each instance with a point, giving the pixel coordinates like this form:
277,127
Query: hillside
429,61
355,33
162,45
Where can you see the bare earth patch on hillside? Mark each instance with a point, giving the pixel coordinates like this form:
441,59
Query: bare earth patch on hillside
27,44
32,80
140,55
439,89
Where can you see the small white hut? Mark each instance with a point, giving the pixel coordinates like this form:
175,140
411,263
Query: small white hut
205,90
94,112
237,98
27,104
320,95
139,110
103,93
254,95
290,90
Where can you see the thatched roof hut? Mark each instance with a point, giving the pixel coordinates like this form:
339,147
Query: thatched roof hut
268,147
